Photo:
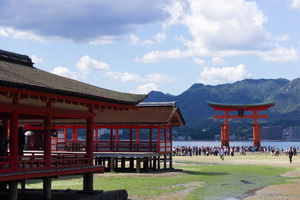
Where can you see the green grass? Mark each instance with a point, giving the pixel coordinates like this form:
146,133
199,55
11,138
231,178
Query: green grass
219,181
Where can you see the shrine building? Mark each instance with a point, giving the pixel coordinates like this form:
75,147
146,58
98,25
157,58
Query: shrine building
30,94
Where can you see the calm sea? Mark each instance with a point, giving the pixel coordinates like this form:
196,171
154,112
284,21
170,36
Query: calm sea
282,144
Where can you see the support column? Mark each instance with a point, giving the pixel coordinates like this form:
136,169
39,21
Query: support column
14,140
171,161
88,177
130,140
47,188
224,135
47,140
256,135
90,139
13,190
117,138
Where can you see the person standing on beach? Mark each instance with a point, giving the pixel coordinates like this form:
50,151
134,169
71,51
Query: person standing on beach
291,152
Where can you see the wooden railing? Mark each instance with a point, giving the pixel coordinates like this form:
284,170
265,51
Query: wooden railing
36,161
120,146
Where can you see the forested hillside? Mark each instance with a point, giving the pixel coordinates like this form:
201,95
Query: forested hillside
199,117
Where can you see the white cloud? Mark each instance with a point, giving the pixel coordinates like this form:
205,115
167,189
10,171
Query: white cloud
36,59
220,28
124,76
64,71
220,75
133,77
23,35
199,61
86,65
218,61
145,89
295,4
280,54
284,37
156,56
134,40
160,37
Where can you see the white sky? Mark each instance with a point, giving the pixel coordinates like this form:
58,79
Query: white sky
167,45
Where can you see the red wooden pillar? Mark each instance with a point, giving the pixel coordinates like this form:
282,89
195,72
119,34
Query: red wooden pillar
130,138
256,130
150,139
158,138
88,177
89,139
5,130
117,138
137,137
165,137
256,135
47,140
224,135
111,139
14,139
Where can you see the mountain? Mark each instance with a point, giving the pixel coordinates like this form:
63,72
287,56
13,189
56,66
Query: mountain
199,116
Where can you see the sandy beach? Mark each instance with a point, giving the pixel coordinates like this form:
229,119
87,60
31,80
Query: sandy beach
289,191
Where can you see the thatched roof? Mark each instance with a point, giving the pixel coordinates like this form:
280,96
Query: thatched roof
17,71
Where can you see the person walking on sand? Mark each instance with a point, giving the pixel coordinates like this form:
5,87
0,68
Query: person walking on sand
222,153
291,154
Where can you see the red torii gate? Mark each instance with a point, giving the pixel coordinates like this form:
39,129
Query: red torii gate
240,108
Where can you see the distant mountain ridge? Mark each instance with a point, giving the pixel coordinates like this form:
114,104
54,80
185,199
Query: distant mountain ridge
198,116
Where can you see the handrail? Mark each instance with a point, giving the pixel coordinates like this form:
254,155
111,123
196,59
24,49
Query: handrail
35,161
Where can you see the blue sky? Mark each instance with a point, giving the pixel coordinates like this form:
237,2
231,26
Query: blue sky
137,46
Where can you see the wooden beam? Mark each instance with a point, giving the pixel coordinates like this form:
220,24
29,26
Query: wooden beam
240,117
55,112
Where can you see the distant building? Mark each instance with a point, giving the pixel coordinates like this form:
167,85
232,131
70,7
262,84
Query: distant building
294,132
271,133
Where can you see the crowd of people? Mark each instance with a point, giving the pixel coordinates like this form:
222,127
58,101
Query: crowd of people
231,151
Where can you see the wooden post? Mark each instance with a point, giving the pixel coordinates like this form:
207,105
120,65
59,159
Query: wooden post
150,137
165,161
111,140
131,163
171,161
154,163
158,139
47,140
13,190
88,177
47,188
137,138
256,135
14,140
90,139
88,182
130,140
138,165
123,163
117,138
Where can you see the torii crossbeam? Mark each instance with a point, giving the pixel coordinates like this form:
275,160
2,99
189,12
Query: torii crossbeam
240,109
